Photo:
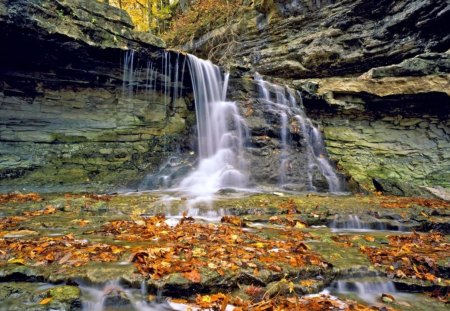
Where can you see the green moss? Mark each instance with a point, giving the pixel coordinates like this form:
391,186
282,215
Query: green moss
65,293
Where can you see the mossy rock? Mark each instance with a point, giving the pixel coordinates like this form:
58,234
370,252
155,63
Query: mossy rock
65,293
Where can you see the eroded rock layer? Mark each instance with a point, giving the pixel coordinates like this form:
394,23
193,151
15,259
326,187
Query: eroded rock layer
374,74
65,123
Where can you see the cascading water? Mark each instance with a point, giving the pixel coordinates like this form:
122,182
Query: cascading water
353,223
113,296
220,128
221,132
369,291
285,105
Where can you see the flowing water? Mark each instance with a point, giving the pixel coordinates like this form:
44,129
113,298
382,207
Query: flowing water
353,223
221,131
369,291
282,101
114,297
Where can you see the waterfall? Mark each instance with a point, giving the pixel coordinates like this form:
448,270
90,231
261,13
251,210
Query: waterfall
368,290
285,105
220,130
353,223
114,296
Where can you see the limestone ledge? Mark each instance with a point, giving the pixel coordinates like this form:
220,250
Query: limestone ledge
333,88
70,138
407,149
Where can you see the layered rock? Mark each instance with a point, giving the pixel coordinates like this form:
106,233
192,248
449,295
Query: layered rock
65,123
389,128
374,74
304,38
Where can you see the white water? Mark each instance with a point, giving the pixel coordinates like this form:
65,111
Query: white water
285,105
221,132
95,298
368,291
352,223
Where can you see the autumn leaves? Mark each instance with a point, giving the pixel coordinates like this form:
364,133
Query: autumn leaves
191,248
261,261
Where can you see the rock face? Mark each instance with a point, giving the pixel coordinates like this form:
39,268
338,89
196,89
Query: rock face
65,123
374,74
281,149
304,38
392,143
77,111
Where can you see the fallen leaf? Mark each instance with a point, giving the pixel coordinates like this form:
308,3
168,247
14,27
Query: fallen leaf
19,261
193,276
45,301
369,238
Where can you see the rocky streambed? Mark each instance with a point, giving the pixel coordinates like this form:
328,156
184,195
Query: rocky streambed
135,251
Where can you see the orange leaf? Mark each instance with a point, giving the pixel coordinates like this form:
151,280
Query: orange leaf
369,238
45,301
193,276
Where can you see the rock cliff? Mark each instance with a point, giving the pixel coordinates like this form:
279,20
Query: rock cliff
78,111
65,123
373,74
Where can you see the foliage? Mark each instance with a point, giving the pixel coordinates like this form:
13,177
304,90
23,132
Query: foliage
191,246
280,303
148,15
269,267
202,17
405,202
178,22
65,250
415,255
20,198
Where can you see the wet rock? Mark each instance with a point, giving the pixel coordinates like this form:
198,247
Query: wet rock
91,22
62,74
380,88
376,139
66,295
17,296
400,189
420,65
118,300
333,89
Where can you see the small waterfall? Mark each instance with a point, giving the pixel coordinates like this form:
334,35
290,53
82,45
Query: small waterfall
353,223
113,296
221,132
285,105
370,290
157,82
220,128
128,74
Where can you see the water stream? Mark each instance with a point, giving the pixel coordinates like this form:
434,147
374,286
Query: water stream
369,291
114,297
353,223
282,101
220,130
